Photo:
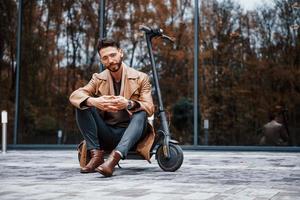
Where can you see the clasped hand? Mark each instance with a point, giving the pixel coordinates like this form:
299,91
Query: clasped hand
108,103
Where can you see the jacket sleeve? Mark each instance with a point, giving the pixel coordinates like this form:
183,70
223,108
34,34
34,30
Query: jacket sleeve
80,95
145,99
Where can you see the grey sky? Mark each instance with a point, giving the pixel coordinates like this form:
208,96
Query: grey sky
252,4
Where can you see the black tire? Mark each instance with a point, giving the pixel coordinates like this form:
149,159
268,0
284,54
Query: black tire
175,160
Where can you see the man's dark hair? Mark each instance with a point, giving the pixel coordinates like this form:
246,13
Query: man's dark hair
107,42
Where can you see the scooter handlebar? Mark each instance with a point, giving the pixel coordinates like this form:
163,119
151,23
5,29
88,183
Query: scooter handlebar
171,39
148,30
145,28
156,32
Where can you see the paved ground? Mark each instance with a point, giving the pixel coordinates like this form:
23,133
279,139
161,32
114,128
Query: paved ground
203,175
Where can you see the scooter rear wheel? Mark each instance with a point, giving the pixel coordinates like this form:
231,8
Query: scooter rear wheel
174,162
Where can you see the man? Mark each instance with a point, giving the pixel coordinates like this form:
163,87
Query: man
275,132
112,110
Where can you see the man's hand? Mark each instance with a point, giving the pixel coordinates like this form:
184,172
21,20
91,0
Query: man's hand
105,103
108,103
121,102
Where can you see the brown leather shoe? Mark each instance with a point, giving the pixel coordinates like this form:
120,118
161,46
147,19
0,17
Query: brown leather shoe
96,160
107,168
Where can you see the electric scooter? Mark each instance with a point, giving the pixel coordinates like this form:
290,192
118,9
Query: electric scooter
169,154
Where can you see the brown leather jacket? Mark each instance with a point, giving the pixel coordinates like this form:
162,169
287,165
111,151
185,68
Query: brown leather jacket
136,87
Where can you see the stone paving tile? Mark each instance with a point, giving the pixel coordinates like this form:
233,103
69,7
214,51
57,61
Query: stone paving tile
235,190
203,175
258,192
287,196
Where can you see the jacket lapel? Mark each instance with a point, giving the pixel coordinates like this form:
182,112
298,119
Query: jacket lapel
131,84
104,85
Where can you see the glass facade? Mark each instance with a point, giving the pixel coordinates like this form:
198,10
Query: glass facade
249,90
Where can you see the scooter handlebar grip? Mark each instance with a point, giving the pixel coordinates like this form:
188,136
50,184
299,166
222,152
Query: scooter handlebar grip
171,39
145,28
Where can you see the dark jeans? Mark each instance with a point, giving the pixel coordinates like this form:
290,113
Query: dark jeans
99,135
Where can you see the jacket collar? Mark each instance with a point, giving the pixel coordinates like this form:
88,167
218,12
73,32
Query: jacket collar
130,73
130,83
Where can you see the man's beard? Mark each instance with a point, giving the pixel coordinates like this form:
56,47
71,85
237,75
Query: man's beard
114,67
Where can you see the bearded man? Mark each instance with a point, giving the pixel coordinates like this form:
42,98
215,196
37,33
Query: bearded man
112,111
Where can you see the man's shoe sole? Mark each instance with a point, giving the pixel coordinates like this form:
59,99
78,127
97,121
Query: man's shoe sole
103,173
86,172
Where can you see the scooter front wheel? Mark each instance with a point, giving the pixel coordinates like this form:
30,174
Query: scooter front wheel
174,162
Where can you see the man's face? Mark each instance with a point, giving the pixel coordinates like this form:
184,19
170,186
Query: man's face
111,58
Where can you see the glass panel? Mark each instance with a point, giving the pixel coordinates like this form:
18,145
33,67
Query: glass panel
250,65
